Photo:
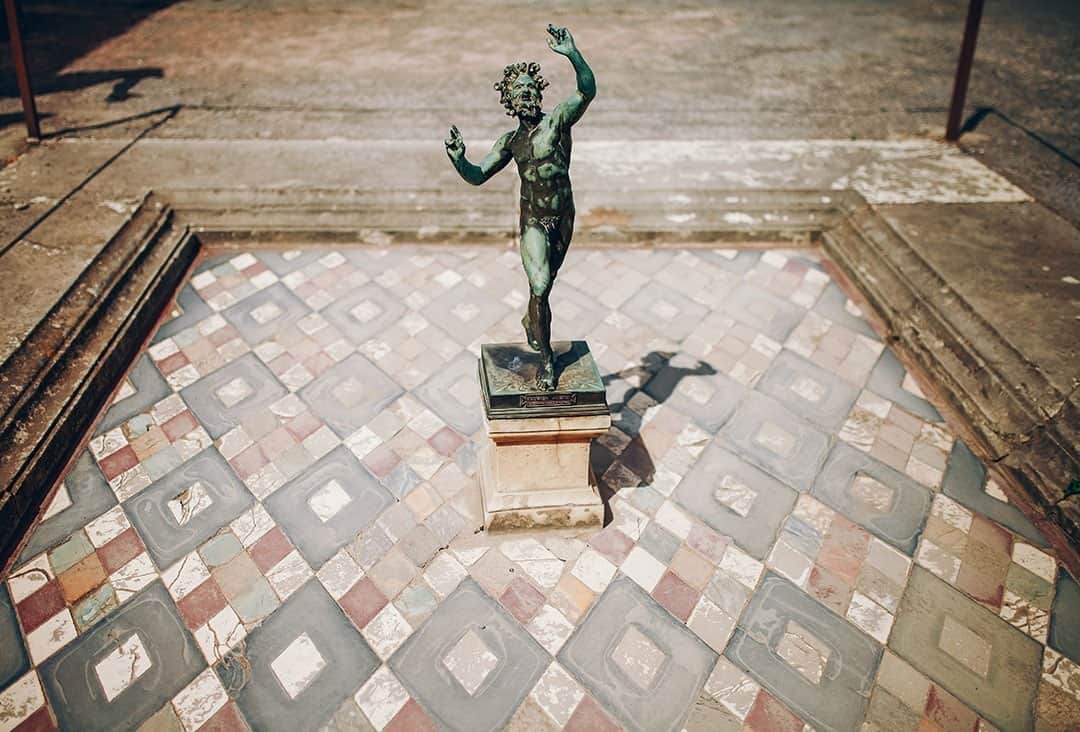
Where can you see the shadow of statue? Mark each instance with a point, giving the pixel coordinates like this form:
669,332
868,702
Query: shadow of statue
621,459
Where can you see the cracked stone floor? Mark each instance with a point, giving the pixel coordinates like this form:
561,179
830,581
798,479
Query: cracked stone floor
275,524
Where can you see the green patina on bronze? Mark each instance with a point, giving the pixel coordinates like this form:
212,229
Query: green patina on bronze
508,379
540,145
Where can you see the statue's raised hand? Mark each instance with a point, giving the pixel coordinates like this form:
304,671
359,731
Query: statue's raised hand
561,41
455,146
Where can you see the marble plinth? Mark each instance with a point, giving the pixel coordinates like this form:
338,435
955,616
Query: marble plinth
534,471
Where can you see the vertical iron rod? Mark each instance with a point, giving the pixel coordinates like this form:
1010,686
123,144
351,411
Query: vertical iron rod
963,70
22,72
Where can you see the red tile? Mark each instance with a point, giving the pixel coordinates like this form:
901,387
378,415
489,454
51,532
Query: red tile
828,589
179,425
202,603
678,597
221,336
120,550
45,602
613,544
590,717
996,538
39,721
227,719
709,544
248,462
317,363
363,602
270,549
121,460
411,718
381,461
835,558
769,715
948,712
446,441
85,575
303,425
172,363
522,600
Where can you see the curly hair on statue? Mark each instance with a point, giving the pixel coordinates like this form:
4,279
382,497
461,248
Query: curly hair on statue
510,75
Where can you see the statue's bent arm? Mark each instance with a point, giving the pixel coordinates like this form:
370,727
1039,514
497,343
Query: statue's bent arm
570,111
492,163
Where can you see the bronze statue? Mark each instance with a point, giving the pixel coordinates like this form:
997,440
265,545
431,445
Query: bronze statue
541,148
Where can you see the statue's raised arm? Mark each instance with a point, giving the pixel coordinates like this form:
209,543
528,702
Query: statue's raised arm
570,111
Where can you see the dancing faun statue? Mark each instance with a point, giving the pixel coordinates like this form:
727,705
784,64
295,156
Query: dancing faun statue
540,145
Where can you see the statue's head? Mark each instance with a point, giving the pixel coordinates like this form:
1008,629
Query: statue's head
522,89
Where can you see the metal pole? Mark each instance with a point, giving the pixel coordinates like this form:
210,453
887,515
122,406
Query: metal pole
963,70
22,72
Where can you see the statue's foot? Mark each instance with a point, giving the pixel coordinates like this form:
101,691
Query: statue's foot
527,325
545,376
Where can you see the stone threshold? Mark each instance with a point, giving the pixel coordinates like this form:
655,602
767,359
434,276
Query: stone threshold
58,380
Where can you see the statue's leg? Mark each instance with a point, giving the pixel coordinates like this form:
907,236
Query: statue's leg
535,255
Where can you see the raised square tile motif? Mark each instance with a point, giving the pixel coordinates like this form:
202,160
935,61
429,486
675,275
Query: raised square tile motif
364,313
125,668
350,394
808,390
697,390
171,515
520,661
884,501
465,312
470,661
935,631
736,499
453,393
188,310
773,438
215,398
763,311
328,505
638,657
612,663
670,312
812,660
266,313
299,665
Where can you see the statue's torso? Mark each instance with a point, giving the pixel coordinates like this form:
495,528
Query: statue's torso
543,161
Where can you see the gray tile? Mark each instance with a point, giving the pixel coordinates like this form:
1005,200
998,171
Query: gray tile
1005,693
833,305
763,311
666,311
895,512
13,661
420,545
465,312
73,686
736,499
266,313
421,664
659,542
574,313
808,390
364,313
838,700
219,415
347,662
292,505
192,309
90,497
697,390
282,263
886,379
775,440
965,481
453,393
653,685
1065,617
150,388
168,539
350,394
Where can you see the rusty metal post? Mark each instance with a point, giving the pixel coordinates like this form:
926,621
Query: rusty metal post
22,71
963,70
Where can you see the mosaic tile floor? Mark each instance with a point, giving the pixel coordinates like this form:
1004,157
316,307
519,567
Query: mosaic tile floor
275,525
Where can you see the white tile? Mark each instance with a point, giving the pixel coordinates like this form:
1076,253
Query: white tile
289,574
735,494
252,524
638,657
123,666
328,501
741,566
387,631
219,634
1040,563
594,571
107,526
189,503
233,392
803,651
20,700
525,549
643,568
545,572
51,636
200,700
790,563
184,576
60,500
29,578
444,574
470,661
870,617
297,666
381,697
557,693
339,574
674,520
732,688
550,628
265,313
133,576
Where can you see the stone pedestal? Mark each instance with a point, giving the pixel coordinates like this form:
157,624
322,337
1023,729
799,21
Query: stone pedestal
534,471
